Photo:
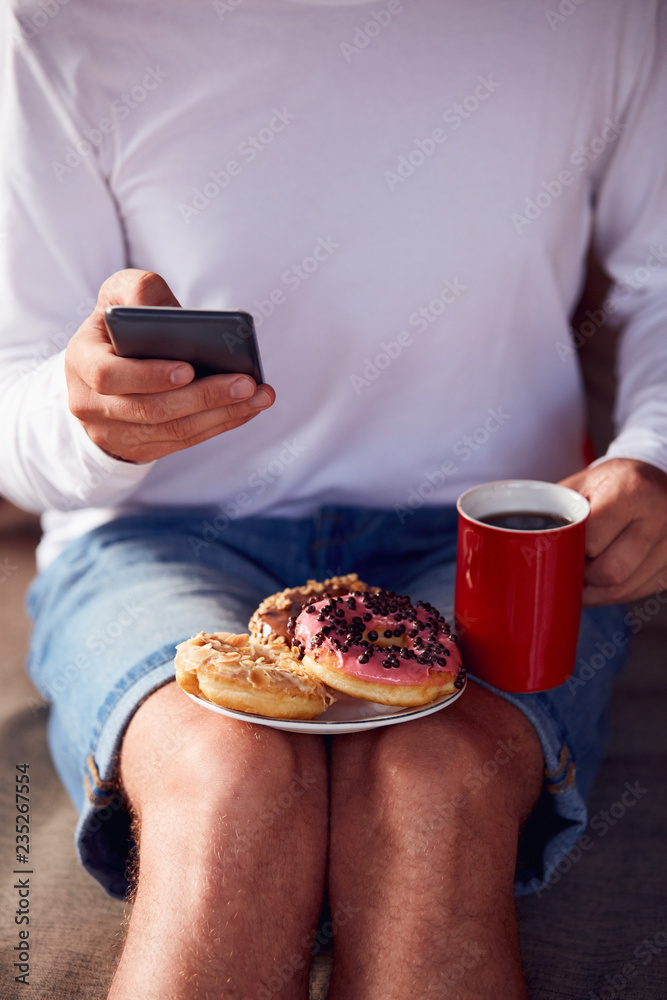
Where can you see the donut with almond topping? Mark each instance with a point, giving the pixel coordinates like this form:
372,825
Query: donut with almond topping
234,672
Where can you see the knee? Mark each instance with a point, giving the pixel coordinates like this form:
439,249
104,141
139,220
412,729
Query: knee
448,770
230,759
174,753
422,762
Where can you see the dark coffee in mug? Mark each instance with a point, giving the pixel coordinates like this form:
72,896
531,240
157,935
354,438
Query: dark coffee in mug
518,590
525,520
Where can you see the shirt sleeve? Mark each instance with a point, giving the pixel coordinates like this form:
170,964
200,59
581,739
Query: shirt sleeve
60,238
631,239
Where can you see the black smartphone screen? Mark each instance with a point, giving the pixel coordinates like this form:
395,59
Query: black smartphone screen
213,341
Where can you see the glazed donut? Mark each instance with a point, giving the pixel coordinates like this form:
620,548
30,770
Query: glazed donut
270,621
235,672
380,647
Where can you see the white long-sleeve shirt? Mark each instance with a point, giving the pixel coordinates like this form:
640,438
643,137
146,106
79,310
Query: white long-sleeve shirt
401,192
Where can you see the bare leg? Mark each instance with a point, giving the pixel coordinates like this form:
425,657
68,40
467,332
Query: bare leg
425,818
232,845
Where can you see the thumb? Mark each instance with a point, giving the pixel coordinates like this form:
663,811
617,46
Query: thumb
132,287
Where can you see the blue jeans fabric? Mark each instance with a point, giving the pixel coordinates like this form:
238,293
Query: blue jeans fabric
109,610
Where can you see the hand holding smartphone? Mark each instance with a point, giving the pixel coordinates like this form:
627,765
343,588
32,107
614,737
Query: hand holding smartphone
213,341
142,410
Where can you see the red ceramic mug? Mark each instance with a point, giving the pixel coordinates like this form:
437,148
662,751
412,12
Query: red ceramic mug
519,579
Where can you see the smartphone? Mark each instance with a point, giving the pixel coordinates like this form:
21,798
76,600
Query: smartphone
213,341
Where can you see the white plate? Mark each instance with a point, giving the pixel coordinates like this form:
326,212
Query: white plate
346,715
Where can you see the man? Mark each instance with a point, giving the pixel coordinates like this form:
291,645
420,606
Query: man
402,197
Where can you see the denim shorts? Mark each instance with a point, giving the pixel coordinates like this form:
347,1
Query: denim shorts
111,607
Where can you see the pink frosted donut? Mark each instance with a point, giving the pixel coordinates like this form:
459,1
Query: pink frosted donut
270,622
380,647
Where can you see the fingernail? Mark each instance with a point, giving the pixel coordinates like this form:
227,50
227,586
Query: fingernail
180,375
260,400
241,388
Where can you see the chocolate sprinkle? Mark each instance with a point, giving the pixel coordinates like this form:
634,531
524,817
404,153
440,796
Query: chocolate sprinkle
342,631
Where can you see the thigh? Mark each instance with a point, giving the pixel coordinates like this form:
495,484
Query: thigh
107,616
197,770
111,609
570,722
479,757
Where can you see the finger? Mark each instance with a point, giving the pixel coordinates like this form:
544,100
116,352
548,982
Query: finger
133,287
645,606
610,512
143,441
594,597
91,357
191,425
648,577
209,432
203,396
130,287
92,353
133,445
626,553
